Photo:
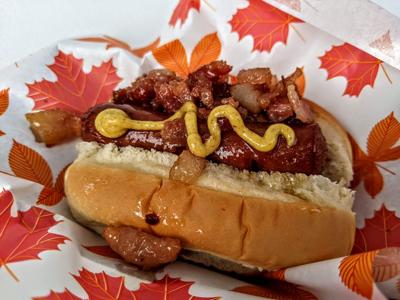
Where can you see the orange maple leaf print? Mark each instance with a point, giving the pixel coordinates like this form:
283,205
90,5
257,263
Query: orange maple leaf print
51,195
264,22
181,11
380,148
355,271
4,102
173,55
28,164
115,43
359,68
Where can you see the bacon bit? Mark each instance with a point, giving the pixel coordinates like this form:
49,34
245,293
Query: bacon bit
243,112
174,132
230,101
203,113
265,99
201,81
291,79
302,110
161,75
181,90
141,91
279,110
274,81
255,76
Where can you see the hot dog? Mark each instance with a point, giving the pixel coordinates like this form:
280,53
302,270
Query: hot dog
241,174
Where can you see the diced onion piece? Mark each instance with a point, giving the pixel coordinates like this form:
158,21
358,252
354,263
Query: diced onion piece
54,127
247,95
187,168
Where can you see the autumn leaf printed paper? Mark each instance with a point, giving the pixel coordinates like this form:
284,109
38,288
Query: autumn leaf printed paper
45,254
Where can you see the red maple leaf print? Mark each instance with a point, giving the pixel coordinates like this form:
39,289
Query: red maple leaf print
168,288
380,148
359,68
27,235
66,295
74,90
381,231
104,250
101,286
181,11
265,23
275,289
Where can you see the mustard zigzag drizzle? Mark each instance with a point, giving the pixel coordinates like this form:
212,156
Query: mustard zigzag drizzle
113,123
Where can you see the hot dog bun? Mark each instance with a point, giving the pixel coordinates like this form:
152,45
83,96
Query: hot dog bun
234,220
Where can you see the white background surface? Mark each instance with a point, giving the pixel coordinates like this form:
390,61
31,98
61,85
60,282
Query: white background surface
27,26
392,6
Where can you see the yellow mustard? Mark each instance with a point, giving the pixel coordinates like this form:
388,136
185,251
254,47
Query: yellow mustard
113,123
